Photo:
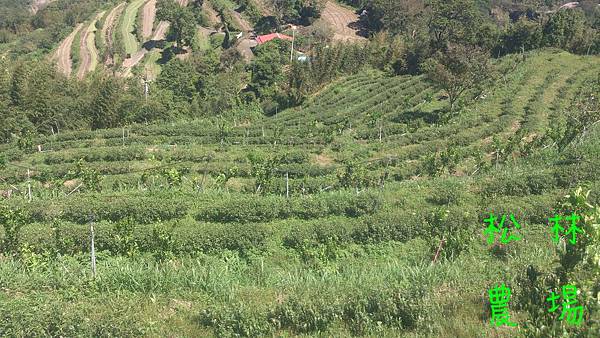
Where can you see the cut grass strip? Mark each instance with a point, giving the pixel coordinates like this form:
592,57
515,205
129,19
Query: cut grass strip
130,41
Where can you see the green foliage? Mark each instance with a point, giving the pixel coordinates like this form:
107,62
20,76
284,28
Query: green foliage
353,175
124,239
522,35
564,29
458,70
183,22
12,221
303,12
266,209
453,21
90,178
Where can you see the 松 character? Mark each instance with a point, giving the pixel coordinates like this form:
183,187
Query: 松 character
491,230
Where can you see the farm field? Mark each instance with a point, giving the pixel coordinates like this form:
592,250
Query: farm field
130,13
358,213
88,51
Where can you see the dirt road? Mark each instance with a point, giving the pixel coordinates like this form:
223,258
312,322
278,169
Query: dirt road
63,53
245,46
149,12
148,15
342,20
87,49
159,34
109,25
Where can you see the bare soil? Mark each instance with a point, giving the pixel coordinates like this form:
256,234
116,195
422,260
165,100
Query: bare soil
88,52
159,34
148,15
109,26
344,22
63,53
323,160
36,5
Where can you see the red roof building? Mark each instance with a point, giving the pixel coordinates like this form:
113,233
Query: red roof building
266,38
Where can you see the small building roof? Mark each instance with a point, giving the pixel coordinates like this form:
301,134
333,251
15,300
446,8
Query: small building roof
266,38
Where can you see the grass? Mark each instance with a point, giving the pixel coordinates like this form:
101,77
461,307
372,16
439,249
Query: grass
128,24
76,51
151,66
99,38
91,42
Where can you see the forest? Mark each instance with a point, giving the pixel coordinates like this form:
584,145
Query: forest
376,168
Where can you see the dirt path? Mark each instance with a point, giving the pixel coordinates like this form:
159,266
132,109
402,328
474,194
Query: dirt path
129,63
148,15
161,31
341,20
245,48
159,34
109,25
63,53
87,49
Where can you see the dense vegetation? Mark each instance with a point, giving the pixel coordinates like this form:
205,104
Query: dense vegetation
339,195
195,213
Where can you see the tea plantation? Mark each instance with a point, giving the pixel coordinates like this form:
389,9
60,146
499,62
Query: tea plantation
358,213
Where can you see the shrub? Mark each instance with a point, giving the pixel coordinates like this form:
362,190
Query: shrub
244,209
141,209
238,320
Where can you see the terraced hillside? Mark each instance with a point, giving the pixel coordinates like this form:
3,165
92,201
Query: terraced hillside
88,51
323,219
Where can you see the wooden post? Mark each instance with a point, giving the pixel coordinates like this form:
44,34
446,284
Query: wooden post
287,185
439,249
263,131
123,136
53,136
28,185
380,134
93,249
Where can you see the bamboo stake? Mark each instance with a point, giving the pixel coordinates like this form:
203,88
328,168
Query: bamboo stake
93,249
29,184
287,185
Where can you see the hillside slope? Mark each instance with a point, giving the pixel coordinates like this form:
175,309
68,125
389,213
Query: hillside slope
359,213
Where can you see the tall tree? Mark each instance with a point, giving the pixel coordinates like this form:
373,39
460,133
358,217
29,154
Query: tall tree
179,77
457,70
104,108
453,21
182,19
564,29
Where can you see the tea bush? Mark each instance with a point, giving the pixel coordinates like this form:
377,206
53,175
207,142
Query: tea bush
243,209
